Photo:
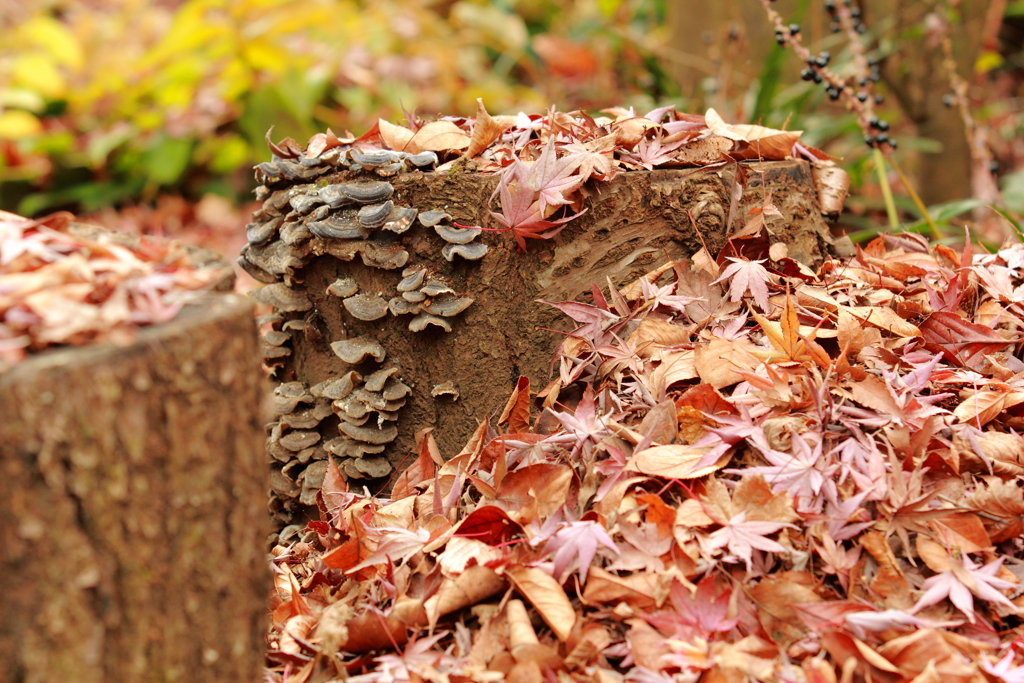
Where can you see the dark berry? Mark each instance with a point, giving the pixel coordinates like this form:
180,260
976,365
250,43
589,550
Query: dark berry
948,100
794,29
882,138
830,6
892,143
993,166
869,140
873,122
862,82
823,59
861,29
879,98
862,96
817,77
807,74
875,76
882,125
780,38
855,12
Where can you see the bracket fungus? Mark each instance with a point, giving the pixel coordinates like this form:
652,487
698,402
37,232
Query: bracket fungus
454,235
355,351
288,395
375,215
366,306
282,298
429,219
422,320
446,388
412,278
343,287
339,226
448,305
473,251
401,219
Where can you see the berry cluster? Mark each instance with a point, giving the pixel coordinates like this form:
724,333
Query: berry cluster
816,70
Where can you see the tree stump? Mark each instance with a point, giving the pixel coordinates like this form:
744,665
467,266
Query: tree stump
132,525
357,382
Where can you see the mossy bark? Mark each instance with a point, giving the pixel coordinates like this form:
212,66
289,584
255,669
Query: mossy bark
132,516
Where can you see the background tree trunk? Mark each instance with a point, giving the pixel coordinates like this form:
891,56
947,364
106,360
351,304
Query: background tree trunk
132,518
728,46
632,225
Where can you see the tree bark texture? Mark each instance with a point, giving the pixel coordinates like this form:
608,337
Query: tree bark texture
132,518
632,224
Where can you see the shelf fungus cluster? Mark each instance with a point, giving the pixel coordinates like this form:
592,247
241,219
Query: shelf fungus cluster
341,203
367,406
298,456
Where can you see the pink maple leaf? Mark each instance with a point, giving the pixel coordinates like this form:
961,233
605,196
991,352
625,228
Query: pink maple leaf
522,214
742,537
1004,669
553,178
801,473
747,276
958,585
578,541
697,615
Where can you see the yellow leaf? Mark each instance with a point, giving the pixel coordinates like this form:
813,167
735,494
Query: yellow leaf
38,72
16,124
987,61
59,42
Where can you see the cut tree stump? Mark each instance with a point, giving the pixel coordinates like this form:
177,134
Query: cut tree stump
132,521
305,240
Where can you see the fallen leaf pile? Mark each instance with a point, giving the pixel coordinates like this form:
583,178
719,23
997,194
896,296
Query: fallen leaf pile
744,470
62,284
544,159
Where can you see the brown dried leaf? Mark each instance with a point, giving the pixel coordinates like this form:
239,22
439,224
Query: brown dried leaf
486,130
398,138
720,362
674,462
1002,503
517,410
547,596
440,136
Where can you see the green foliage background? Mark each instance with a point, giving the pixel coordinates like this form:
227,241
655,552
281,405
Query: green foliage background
103,102
114,101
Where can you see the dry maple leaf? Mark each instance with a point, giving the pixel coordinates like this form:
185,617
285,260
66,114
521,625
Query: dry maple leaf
577,541
747,276
741,538
959,583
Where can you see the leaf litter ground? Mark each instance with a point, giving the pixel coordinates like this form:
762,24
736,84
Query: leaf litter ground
744,470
